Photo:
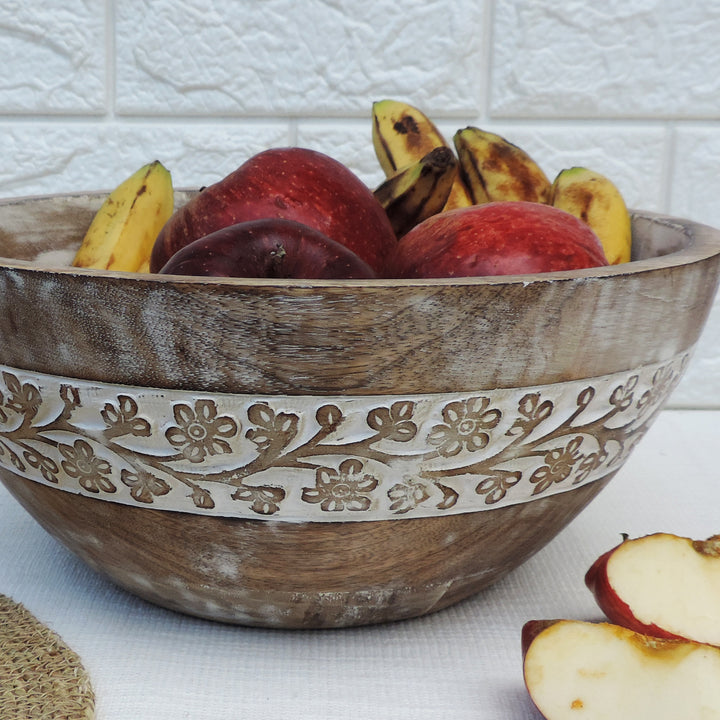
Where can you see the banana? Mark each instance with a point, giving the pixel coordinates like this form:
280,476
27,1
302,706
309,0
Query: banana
419,191
123,231
402,135
594,198
495,169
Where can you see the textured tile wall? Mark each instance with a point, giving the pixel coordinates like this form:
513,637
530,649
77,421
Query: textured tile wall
91,89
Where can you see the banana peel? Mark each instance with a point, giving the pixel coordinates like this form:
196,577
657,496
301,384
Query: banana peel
494,169
419,191
596,200
123,231
403,135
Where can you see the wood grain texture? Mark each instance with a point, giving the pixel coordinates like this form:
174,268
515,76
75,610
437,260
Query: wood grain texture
353,337
328,338
299,575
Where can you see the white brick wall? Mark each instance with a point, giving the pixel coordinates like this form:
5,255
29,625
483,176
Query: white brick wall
91,89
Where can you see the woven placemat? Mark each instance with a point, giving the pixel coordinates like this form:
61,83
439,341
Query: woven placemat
40,676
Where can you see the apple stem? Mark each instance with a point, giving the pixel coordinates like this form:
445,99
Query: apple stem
277,257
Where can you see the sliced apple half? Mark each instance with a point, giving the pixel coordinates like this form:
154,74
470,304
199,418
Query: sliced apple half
574,669
662,585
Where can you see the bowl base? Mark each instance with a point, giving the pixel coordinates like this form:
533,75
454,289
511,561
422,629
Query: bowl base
279,574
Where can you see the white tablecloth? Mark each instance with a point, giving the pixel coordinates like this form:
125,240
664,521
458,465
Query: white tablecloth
460,663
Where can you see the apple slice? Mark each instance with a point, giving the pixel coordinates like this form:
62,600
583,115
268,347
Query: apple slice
574,669
661,585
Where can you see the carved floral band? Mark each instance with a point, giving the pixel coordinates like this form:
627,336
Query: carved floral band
324,458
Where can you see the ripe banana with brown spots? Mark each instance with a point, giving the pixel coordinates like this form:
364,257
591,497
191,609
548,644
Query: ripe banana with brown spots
419,191
594,198
123,231
494,169
403,135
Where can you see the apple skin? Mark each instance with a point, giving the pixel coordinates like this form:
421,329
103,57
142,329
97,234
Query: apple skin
267,248
498,238
292,183
615,608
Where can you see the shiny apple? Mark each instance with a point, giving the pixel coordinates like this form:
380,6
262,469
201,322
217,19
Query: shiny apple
500,238
291,183
267,248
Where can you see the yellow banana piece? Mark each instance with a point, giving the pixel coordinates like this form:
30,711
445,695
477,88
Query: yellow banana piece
403,135
419,191
495,169
123,231
594,198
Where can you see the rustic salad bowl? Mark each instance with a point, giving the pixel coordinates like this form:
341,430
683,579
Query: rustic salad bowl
326,453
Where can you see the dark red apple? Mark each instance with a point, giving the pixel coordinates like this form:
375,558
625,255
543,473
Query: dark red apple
661,585
500,238
268,248
292,183
575,669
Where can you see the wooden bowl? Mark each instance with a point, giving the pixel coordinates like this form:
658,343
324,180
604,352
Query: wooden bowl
323,454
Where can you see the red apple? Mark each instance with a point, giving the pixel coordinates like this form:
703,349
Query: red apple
268,248
574,669
500,238
661,585
292,183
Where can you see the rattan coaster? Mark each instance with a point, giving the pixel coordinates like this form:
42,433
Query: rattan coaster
41,678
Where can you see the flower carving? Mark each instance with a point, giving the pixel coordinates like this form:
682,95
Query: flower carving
559,463
144,486
408,494
200,431
533,411
263,500
495,487
344,489
273,430
662,383
466,426
24,398
334,453
622,396
201,498
47,467
394,423
82,464
122,418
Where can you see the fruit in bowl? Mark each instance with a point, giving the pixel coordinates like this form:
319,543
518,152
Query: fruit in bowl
500,238
292,183
325,453
270,248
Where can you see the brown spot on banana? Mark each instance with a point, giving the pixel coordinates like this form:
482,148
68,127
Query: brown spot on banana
504,158
385,146
579,198
406,125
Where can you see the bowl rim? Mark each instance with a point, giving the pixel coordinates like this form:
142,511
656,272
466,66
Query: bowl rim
703,243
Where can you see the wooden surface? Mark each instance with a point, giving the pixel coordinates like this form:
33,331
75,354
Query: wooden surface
324,338
353,337
298,575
